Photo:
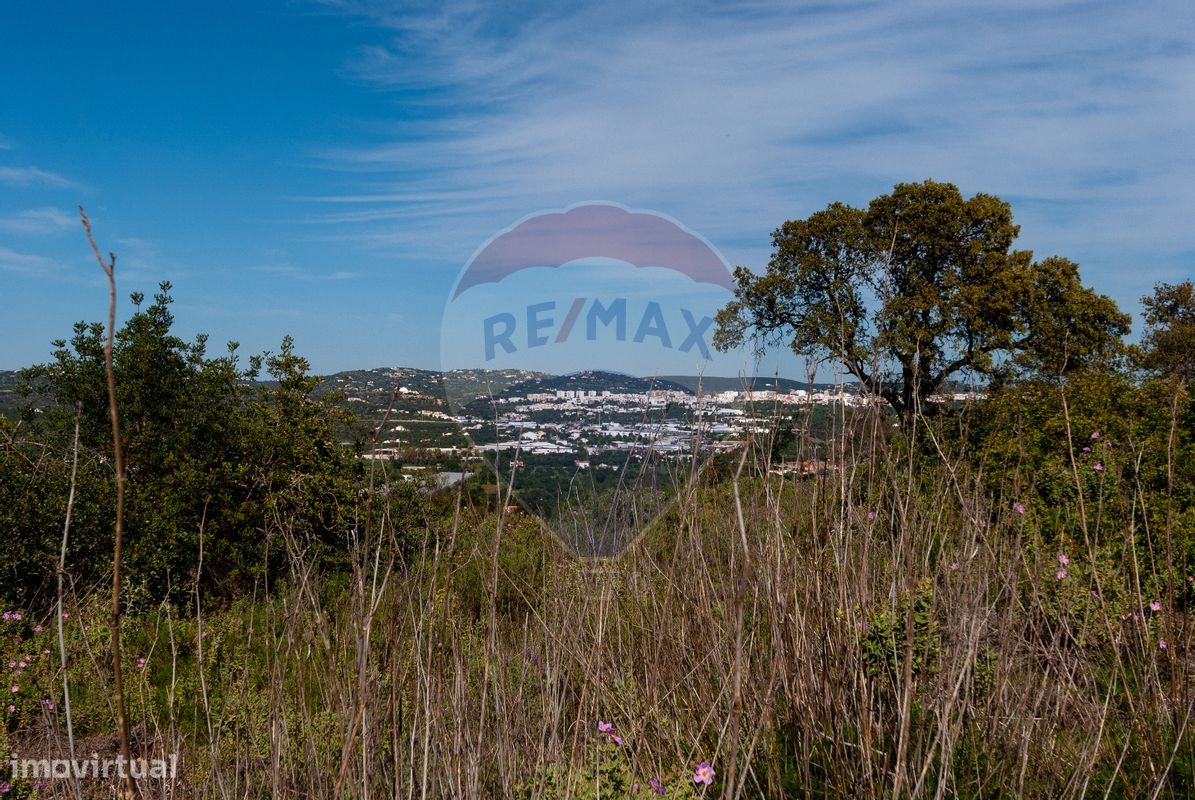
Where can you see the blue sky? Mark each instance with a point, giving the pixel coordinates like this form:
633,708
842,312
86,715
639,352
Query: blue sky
325,169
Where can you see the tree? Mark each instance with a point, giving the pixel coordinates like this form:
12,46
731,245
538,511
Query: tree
208,450
915,289
304,482
177,427
1168,347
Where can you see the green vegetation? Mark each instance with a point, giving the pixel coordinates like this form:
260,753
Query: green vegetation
993,599
914,289
248,470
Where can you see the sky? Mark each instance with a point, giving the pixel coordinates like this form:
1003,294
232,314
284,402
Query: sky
325,169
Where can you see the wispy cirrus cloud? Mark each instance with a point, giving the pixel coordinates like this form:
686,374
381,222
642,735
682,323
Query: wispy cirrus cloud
32,176
25,263
38,221
735,118
291,272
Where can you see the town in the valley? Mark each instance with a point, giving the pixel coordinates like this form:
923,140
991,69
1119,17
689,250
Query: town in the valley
439,423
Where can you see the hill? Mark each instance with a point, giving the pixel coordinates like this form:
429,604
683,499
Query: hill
713,383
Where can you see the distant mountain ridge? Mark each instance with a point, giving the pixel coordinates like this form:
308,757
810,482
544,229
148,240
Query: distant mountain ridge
595,381
759,383
378,382
369,390
498,380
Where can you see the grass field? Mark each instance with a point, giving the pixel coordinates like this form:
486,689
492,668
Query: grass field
900,627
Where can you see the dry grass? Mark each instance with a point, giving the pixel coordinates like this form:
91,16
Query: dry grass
891,629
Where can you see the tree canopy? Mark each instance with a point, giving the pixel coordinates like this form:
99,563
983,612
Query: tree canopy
249,458
1168,347
917,288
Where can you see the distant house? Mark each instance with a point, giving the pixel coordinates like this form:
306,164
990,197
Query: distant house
440,481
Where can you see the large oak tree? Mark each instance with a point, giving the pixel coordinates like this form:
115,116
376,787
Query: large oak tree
916,288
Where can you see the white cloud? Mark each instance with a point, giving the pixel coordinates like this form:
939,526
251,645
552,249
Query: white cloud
294,273
32,176
38,221
734,120
25,263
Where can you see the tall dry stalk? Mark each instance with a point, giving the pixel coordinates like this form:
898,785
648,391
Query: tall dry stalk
888,628
122,723
61,619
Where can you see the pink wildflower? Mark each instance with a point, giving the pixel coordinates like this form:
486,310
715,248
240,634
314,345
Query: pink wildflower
15,688
38,629
11,708
1060,574
140,662
704,773
1018,507
1064,559
953,565
1162,644
1155,606
656,785
871,515
608,730
1095,434
1098,467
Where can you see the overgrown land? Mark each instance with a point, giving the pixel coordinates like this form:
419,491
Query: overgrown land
990,598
